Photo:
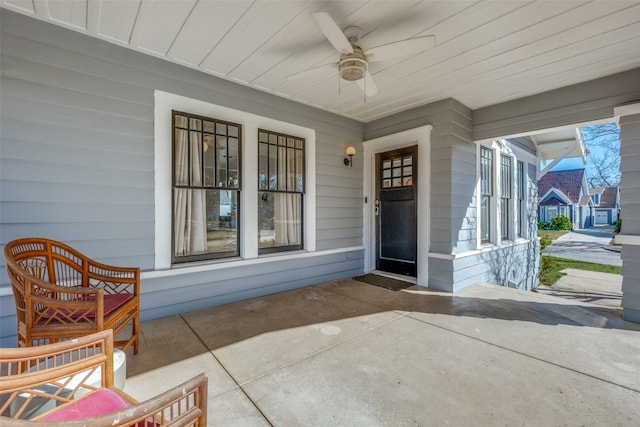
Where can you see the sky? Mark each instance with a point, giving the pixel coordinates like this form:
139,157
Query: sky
576,162
569,164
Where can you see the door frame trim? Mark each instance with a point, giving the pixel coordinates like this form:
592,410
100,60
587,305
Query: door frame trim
420,136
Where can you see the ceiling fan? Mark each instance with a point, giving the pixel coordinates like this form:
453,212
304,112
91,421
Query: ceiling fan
353,64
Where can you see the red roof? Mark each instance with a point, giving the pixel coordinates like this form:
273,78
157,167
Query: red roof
569,182
608,198
585,200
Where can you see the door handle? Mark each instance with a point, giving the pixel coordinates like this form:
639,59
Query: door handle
377,208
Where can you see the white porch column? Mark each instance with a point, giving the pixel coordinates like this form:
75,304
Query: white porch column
629,120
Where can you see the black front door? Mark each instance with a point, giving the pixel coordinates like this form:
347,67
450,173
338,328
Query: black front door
396,208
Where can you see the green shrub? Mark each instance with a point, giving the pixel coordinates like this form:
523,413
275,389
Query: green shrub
546,266
541,224
618,226
544,242
561,222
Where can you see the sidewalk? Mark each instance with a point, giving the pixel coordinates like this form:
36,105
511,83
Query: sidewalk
587,286
591,245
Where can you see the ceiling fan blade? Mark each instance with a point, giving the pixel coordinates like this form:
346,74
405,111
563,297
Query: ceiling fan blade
402,48
332,32
312,71
368,85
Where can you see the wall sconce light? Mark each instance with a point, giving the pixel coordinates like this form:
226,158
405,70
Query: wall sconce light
348,161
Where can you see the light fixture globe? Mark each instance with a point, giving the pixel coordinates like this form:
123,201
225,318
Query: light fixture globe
350,152
353,66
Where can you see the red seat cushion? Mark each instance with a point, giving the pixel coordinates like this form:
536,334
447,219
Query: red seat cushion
111,302
99,402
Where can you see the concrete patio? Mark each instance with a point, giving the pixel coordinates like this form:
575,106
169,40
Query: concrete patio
348,353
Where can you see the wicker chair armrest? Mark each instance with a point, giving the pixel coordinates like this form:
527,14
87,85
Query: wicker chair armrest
183,405
73,306
76,311
112,278
25,370
78,290
69,297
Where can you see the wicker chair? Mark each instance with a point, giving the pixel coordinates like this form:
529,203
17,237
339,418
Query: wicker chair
61,294
70,384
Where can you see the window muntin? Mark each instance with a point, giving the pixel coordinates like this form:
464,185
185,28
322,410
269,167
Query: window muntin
206,188
397,172
486,192
281,184
522,212
506,195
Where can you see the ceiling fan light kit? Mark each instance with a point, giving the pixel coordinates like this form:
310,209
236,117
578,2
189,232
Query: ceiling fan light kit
353,66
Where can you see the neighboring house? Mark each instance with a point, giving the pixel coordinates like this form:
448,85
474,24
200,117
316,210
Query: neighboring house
565,193
220,192
607,204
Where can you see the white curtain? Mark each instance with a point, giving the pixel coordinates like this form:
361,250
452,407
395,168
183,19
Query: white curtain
287,205
190,206
287,223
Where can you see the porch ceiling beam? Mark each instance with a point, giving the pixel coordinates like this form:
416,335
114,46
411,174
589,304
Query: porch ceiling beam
555,161
557,145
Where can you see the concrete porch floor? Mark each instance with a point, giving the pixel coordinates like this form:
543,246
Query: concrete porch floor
352,354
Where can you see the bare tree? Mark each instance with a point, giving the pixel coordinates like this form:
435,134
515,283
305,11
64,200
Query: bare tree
603,158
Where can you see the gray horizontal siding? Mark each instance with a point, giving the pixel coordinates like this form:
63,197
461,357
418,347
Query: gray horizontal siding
209,288
77,162
517,263
630,213
631,282
580,103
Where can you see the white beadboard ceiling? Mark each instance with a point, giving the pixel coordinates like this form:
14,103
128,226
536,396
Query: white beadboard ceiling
486,52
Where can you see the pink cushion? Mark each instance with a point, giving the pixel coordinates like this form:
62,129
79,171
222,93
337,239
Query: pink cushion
99,402
111,302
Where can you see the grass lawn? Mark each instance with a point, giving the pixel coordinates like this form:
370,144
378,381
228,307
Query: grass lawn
551,267
553,234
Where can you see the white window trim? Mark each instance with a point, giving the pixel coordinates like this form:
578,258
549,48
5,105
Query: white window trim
164,104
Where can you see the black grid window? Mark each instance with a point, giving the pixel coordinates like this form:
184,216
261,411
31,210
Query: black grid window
506,194
281,183
206,187
486,193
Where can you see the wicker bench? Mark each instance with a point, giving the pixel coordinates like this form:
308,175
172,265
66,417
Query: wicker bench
61,294
59,373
